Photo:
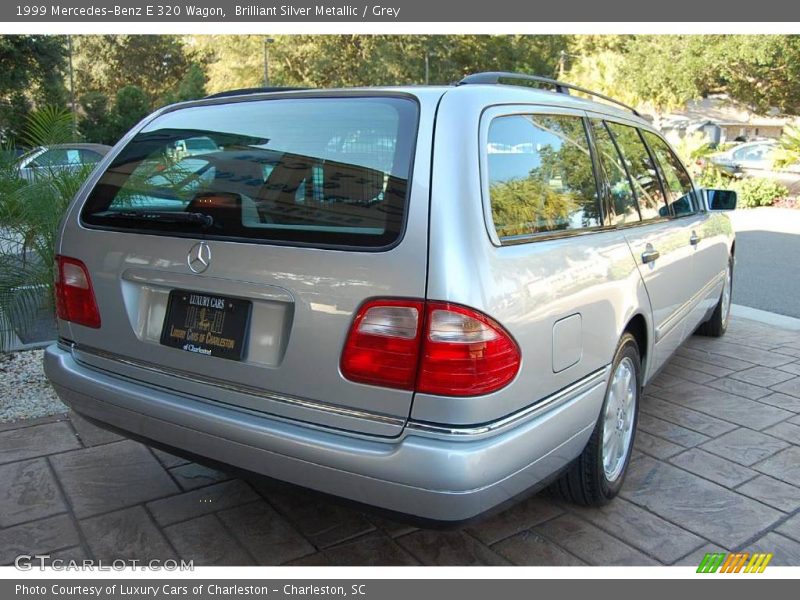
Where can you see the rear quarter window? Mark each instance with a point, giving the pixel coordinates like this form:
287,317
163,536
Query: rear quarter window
310,171
540,176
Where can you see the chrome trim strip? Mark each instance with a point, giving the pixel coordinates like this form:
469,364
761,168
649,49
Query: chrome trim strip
684,309
292,400
587,384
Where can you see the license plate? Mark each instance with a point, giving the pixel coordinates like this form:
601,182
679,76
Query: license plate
207,324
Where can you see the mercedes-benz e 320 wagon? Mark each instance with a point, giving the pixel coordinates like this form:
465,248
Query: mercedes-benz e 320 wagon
426,299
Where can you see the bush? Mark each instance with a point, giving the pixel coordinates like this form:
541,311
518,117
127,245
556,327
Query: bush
30,213
714,179
752,191
758,192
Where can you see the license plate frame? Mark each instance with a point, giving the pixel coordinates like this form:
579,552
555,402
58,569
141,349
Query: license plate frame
207,324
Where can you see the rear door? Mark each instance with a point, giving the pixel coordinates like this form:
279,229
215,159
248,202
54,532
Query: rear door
659,245
306,209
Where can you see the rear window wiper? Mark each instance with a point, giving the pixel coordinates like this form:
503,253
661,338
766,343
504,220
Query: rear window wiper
161,216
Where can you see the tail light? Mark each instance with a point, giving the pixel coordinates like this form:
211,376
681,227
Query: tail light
383,345
432,347
464,353
75,301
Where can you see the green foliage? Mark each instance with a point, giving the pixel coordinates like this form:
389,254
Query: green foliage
788,151
602,72
107,63
131,106
666,71
31,73
752,191
30,213
692,147
106,125
713,178
755,192
350,60
193,84
47,126
95,124
191,87
521,206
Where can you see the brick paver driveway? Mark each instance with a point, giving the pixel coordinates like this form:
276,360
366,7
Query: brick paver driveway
716,467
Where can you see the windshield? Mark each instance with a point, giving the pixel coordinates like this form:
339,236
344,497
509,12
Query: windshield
330,171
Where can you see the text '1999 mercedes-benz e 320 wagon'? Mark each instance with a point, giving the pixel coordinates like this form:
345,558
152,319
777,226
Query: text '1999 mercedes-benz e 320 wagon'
426,299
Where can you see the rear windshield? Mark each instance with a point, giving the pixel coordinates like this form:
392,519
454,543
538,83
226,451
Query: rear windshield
317,171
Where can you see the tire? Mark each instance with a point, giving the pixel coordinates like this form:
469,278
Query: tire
589,480
717,323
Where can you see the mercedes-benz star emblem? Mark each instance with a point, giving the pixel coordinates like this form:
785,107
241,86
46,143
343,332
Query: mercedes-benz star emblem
199,257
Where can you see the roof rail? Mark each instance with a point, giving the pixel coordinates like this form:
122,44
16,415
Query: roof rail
561,87
254,90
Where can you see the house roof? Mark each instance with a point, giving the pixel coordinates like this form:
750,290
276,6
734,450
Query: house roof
718,110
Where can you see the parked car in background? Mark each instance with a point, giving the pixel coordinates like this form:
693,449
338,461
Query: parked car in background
193,146
756,159
747,156
58,157
432,324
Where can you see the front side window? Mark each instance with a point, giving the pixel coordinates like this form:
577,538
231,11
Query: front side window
540,175
642,171
677,183
315,171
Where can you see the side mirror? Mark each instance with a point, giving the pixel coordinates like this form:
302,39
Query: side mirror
720,199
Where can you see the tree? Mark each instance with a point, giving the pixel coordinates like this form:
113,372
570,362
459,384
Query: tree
191,87
96,123
153,63
349,60
31,73
193,84
761,71
131,106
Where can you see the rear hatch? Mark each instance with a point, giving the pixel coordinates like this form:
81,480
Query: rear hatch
233,275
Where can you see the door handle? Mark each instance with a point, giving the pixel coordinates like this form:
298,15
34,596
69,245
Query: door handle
695,239
650,255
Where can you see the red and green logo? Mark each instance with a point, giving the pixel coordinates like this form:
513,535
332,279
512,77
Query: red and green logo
734,562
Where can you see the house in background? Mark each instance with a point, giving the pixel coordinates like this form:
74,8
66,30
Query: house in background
721,120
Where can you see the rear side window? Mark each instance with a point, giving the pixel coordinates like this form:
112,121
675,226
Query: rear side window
678,184
540,175
58,157
312,171
621,204
641,169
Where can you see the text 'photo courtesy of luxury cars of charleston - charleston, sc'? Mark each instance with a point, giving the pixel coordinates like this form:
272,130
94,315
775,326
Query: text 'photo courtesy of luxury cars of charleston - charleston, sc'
192,590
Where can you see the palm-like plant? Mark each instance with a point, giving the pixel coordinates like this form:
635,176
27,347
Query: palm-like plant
30,213
788,151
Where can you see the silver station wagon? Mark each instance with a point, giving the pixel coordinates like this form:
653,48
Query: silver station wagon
426,299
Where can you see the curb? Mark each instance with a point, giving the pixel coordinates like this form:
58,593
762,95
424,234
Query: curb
766,317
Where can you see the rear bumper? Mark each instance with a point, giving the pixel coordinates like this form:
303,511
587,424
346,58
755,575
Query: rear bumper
427,472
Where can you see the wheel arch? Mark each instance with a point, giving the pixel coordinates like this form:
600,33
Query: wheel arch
637,327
